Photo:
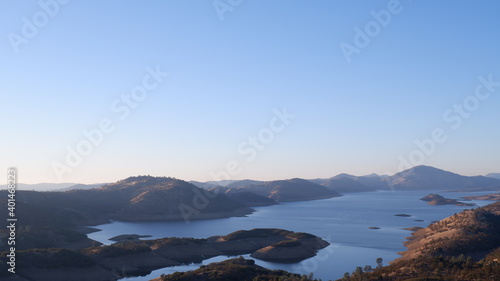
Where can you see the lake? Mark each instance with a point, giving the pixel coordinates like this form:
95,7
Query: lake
342,221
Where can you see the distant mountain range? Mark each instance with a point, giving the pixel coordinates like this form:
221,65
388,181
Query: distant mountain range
81,187
41,186
54,186
416,178
279,191
493,175
430,178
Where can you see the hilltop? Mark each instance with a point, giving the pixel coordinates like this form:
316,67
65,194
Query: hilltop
430,178
133,199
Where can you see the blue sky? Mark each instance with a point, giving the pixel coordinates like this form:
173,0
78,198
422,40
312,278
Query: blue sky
228,74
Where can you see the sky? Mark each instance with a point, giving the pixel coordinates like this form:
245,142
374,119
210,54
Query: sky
97,91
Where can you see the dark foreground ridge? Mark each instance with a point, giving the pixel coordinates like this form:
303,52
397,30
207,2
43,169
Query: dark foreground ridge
140,257
234,269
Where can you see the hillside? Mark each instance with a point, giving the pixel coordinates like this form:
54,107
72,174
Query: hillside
135,198
345,185
286,190
416,178
55,219
462,247
153,198
250,199
471,232
244,183
430,178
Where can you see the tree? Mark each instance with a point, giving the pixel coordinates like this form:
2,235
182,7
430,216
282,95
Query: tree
379,262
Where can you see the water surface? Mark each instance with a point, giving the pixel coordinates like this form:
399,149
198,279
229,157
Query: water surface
343,221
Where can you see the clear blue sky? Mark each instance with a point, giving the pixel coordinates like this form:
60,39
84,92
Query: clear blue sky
229,71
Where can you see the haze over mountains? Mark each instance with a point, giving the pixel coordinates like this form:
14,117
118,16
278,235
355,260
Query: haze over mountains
416,178
54,186
160,198
493,175
282,190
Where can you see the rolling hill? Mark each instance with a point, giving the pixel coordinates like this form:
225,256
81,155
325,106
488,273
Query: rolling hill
285,190
135,198
430,178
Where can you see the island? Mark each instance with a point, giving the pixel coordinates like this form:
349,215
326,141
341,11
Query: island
436,199
402,215
128,237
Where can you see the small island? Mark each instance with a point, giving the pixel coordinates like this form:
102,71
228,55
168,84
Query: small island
402,215
436,199
128,237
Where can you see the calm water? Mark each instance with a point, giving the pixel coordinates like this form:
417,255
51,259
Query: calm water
342,221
